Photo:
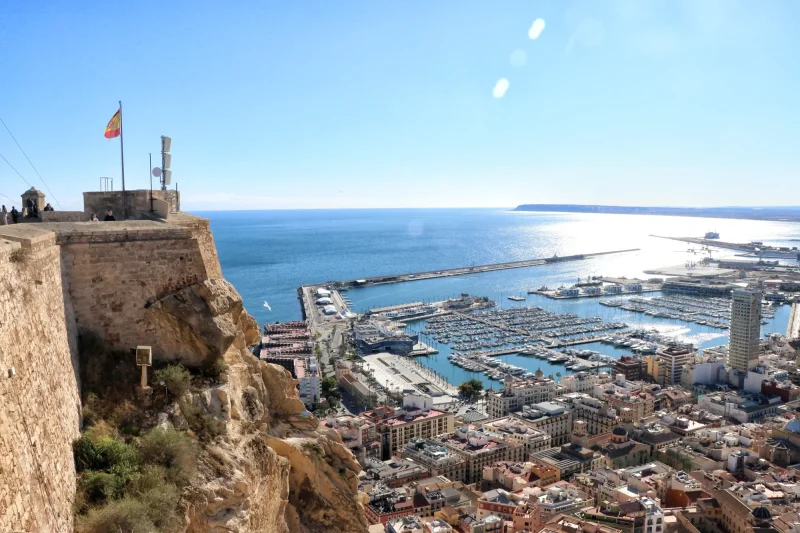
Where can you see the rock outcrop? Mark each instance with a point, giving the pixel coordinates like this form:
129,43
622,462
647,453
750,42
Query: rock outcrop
273,470
197,324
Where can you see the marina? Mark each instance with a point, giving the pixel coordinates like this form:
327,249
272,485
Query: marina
643,336
580,326
706,311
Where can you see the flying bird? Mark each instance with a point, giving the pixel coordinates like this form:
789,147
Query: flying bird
267,305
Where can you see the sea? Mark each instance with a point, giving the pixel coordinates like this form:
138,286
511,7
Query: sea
267,255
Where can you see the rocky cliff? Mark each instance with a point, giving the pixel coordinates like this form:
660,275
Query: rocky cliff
273,470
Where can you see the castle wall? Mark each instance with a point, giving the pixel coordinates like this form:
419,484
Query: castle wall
40,405
115,270
63,216
136,201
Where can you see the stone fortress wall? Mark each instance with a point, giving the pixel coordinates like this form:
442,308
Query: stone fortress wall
56,278
40,404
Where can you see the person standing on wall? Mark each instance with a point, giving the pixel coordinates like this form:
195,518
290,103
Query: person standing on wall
109,217
5,215
14,213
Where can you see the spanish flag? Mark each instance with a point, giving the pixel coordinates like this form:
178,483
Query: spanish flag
114,126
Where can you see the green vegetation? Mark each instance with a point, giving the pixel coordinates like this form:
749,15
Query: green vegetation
131,486
175,378
205,426
471,390
330,391
131,474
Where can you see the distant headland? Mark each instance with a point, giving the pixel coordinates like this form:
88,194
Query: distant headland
791,213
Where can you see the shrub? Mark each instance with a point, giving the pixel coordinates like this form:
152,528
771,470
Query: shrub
159,495
128,418
203,424
173,451
176,378
101,487
127,515
103,453
212,370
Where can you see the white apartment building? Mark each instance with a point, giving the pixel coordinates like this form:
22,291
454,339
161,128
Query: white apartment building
516,394
549,417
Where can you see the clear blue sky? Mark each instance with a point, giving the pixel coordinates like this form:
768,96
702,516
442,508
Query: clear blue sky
348,103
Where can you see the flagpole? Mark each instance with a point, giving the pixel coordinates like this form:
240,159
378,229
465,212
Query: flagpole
122,161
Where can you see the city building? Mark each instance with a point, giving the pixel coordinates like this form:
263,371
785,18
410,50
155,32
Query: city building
437,525
355,384
406,524
393,473
289,344
708,371
584,381
516,394
490,524
387,504
377,336
621,451
666,365
699,286
515,476
573,524
501,503
519,430
745,330
642,515
357,434
481,448
599,416
550,418
417,419
569,459
556,500
654,435
740,406
632,367
628,398
436,458
738,517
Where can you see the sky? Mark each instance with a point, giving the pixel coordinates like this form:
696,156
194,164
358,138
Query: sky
365,103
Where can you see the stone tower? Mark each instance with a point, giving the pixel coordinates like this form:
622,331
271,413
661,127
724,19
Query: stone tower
37,196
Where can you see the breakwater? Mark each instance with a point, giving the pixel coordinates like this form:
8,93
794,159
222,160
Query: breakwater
460,271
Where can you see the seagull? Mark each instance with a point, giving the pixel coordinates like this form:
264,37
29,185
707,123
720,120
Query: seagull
267,305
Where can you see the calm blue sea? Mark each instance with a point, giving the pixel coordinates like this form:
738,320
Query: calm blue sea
268,254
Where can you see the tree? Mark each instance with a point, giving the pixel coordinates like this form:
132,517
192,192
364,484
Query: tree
327,385
329,391
471,390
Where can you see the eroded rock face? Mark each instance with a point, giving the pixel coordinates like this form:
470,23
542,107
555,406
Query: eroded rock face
197,324
272,470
